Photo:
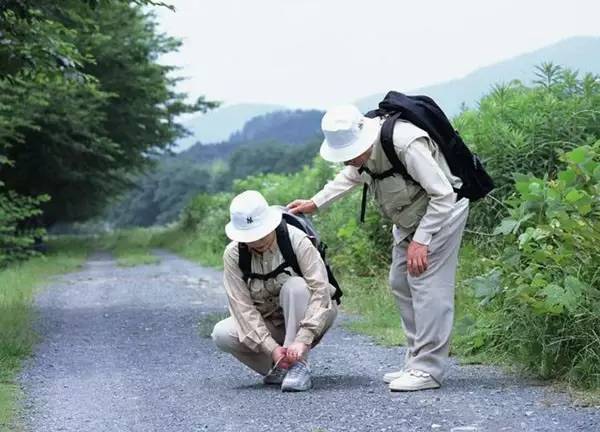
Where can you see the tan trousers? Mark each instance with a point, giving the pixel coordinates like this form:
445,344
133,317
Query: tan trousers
426,302
293,299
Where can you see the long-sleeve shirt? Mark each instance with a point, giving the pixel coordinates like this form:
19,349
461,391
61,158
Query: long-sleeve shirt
420,209
250,304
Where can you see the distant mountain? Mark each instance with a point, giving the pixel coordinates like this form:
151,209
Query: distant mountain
217,125
579,53
290,128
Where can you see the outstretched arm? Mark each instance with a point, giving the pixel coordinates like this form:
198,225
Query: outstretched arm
346,180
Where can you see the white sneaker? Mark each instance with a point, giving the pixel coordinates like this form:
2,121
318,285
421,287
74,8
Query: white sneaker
391,376
297,379
413,380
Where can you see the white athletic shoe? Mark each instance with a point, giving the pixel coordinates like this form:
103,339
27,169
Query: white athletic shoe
413,380
297,379
391,376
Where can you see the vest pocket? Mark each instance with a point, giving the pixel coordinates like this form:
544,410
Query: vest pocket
409,216
393,194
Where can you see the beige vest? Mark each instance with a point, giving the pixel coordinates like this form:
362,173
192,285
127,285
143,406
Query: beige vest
404,202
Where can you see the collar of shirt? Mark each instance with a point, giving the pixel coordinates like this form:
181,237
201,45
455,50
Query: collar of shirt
270,251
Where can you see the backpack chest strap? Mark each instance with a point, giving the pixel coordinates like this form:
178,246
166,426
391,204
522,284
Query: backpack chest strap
271,275
285,247
378,176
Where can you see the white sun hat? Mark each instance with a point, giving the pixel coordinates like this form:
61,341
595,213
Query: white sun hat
347,132
251,217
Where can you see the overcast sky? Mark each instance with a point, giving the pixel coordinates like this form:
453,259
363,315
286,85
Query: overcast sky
318,53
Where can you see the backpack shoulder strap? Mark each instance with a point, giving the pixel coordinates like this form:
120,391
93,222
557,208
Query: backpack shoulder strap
387,143
244,261
285,246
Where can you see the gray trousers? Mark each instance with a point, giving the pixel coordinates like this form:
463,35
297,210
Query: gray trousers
426,302
294,298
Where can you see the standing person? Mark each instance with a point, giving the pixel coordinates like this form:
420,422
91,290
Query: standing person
279,311
428,226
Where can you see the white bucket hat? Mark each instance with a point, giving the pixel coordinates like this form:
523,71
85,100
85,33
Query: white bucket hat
251,217
347,132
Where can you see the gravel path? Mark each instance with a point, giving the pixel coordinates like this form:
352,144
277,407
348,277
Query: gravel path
121,351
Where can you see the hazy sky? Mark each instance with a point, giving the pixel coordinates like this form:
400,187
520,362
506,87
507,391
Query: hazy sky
317,53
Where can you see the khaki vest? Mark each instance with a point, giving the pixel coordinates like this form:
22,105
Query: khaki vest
404,202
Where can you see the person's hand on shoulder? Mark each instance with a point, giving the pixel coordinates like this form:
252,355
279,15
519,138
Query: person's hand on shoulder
302,206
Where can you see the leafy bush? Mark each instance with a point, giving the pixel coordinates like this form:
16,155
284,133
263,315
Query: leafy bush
541,295
70,126
16,240
201,230
519,129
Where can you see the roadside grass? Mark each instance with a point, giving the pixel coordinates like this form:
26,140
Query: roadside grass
18,285
131,247
203,249
583,398
375,314
471,263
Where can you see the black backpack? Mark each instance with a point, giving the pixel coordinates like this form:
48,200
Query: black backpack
424,113
303,223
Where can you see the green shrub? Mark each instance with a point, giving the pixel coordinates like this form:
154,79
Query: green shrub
520,129
200,233
16,241
540,297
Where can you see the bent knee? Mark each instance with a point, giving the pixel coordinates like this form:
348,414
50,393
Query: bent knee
221,335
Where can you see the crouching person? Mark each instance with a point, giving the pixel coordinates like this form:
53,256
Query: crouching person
280,298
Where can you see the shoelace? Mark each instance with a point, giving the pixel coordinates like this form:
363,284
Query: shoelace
274,366
418,373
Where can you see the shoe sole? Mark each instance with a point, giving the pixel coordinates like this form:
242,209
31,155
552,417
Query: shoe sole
432,387
272,383
296,389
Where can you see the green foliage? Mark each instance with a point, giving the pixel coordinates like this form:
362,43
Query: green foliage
131,247
16,239
200,234
158,197
541,294
71,127
279,142
370,298
519,129
269,157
